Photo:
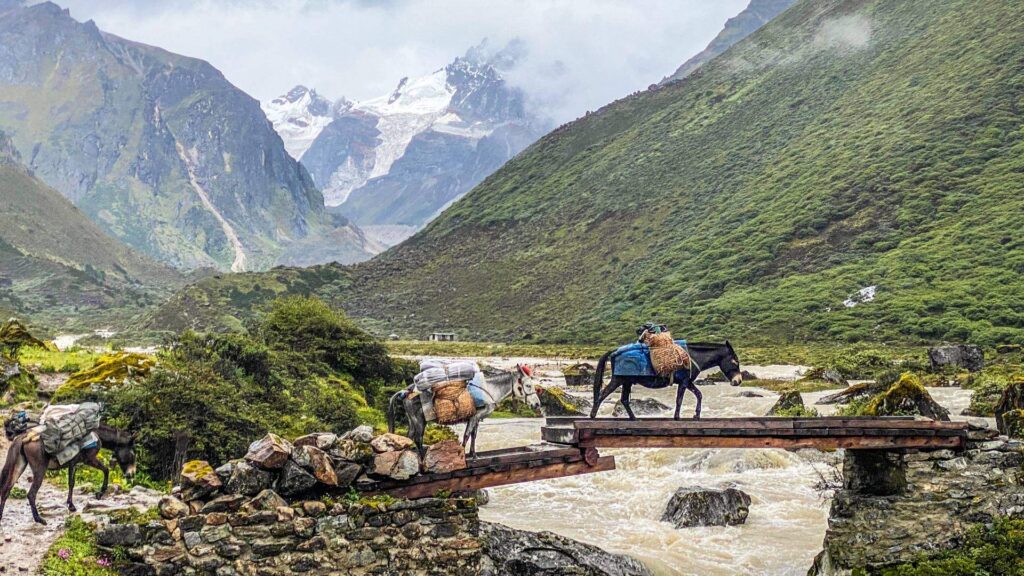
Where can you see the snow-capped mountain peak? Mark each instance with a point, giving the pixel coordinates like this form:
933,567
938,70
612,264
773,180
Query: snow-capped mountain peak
300,115
397,159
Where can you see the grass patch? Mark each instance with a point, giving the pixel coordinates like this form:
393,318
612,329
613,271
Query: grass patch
51,361
75,554
90,479
495,350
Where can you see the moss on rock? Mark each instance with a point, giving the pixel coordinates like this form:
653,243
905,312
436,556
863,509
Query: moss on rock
906,397
557,402
109,371
14,336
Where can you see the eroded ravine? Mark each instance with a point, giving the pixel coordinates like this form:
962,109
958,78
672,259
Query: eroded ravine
239,263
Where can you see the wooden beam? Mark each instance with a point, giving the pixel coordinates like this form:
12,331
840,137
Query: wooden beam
825,442
555,435
520,473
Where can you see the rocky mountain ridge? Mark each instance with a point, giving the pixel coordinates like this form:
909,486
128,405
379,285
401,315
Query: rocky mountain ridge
160,150
399,159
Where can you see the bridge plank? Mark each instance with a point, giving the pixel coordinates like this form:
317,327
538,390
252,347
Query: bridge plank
821,442
514,474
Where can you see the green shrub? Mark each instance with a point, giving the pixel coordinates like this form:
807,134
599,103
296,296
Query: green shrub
797,412
303,368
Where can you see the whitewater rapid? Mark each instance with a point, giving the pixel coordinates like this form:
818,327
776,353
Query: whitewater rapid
620,510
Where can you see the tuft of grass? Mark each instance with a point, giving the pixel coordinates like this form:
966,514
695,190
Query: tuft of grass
75,553
997,548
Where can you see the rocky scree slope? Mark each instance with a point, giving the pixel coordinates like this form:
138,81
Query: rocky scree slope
847,144
753,17
160,150
55,263
399,159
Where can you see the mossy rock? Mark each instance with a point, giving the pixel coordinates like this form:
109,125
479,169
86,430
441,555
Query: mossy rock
906,397
109,371
1013,423
557,402
791,405
14,336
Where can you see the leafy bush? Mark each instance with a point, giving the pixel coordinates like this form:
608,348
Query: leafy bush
303,368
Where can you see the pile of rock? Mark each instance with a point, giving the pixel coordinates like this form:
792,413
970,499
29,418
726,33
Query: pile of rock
231,535
895,508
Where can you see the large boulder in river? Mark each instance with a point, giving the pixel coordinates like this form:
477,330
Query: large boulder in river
641,407
788,402
906,397
270,452
695,506
853,392
511,552
445,456
966,356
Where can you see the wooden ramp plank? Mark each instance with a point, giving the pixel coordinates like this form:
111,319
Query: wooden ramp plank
514,474
825,443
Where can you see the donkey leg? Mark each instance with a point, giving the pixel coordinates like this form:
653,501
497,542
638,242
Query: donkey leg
680,392
92,459
38,474
612,387
71,488
700,397
626,390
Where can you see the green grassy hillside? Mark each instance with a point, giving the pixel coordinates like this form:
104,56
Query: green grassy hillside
847,144
60,269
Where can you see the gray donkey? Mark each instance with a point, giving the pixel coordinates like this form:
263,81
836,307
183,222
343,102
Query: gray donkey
496,387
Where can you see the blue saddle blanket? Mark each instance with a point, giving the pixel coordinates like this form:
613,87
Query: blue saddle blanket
475,390
635,360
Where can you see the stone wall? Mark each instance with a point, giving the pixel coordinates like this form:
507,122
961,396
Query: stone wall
265,536
894,507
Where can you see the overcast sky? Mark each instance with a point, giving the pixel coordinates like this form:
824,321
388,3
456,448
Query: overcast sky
582,54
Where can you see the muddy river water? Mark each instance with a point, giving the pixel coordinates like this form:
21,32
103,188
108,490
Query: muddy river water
620,510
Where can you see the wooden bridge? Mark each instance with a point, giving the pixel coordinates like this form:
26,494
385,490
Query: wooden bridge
572,443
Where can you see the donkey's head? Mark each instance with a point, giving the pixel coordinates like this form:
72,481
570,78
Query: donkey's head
523,388
729,364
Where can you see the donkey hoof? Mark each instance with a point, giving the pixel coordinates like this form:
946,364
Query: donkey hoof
72,508
39,520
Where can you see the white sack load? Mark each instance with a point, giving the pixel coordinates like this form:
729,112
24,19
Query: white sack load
462,370
428,363
429,378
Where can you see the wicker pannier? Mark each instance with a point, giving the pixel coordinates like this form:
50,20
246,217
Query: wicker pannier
666,355
453,403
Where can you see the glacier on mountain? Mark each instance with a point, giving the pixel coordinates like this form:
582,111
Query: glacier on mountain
398,159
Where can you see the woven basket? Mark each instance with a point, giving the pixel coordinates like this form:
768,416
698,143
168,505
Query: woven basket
453,403
666,355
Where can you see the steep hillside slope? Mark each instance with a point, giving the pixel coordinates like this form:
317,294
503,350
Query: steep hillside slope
851,171
57,267
753,17
160,150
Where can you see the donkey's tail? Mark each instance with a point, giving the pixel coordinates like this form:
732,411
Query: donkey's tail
599,378
14,454
391,410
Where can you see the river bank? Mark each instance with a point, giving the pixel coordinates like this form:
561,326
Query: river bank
619,511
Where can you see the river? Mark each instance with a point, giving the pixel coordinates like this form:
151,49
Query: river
620,510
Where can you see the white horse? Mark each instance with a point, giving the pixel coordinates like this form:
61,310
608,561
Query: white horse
496,387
